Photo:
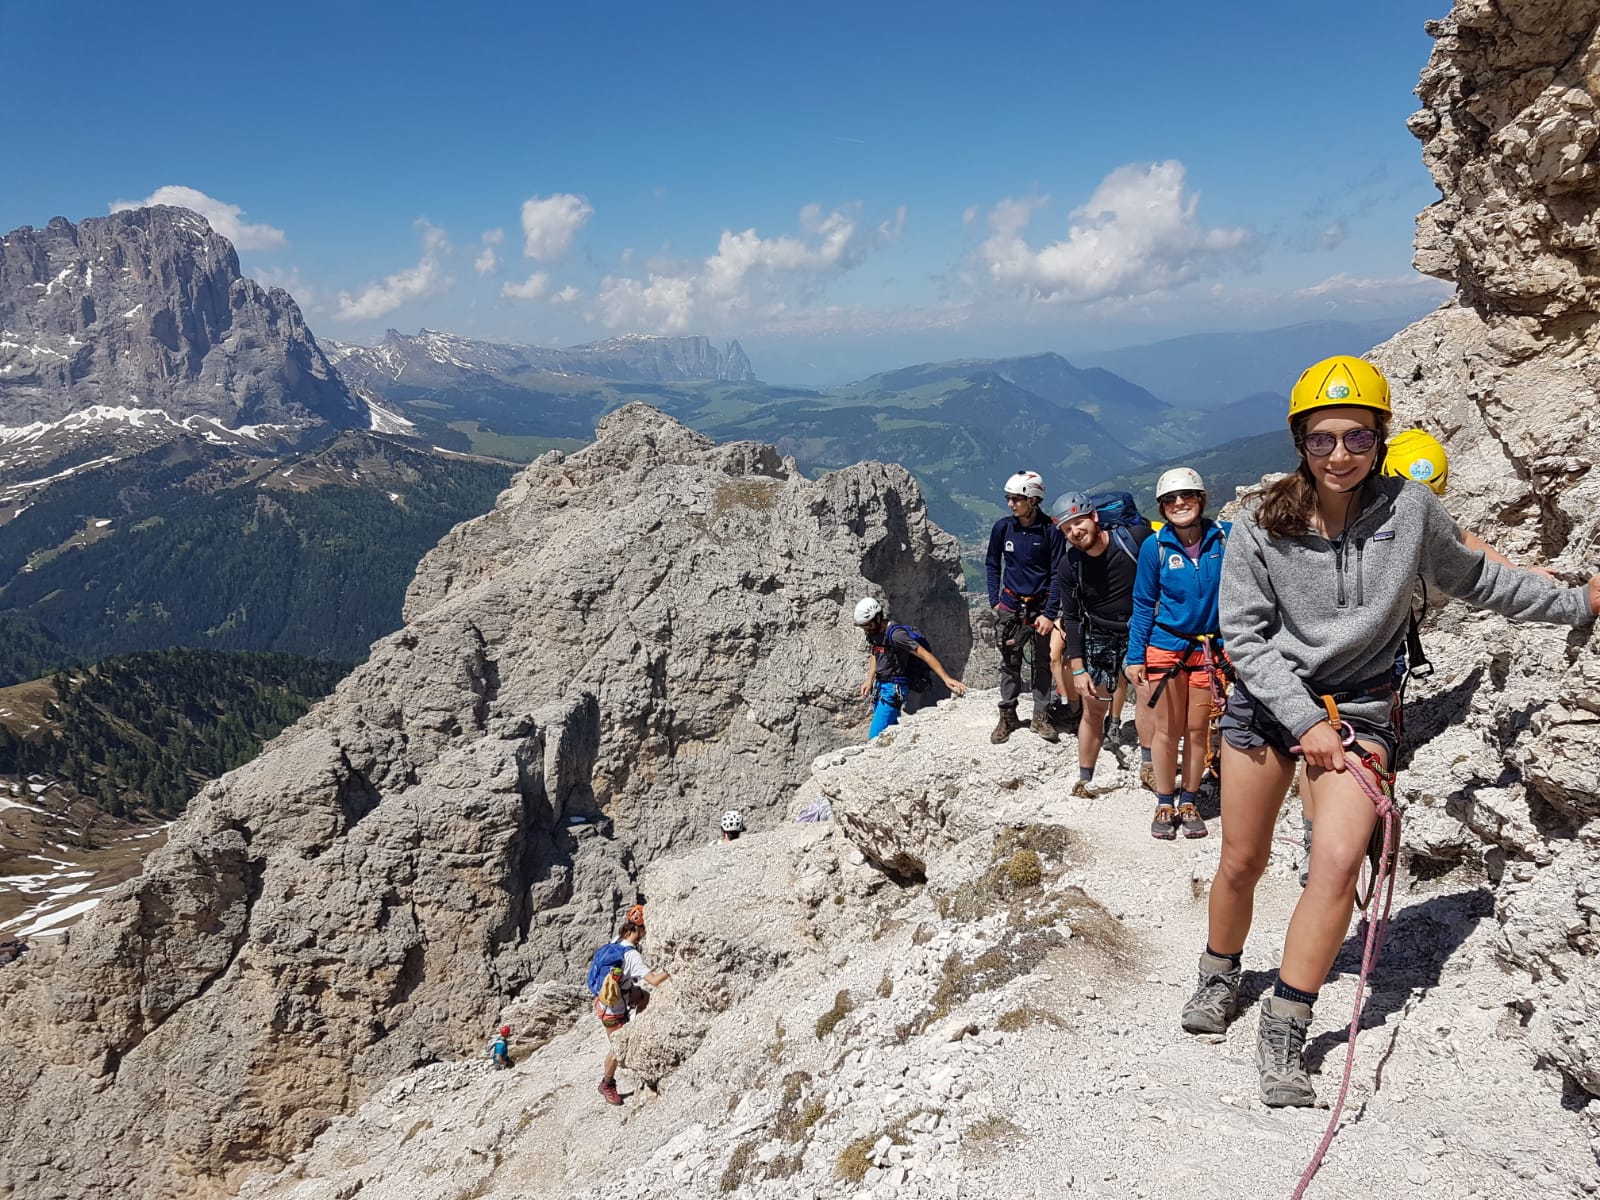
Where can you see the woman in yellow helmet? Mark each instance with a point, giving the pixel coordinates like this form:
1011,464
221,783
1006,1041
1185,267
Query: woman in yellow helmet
1315,598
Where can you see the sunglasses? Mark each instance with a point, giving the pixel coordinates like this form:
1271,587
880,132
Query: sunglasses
1356,441
1174,497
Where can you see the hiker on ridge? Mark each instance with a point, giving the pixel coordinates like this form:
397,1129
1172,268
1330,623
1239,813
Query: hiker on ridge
1173,645
892,668
1316,597
1024,557
1410,454
620,981
1095,586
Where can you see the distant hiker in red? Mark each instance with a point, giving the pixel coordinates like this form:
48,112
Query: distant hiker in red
620,981
500,1049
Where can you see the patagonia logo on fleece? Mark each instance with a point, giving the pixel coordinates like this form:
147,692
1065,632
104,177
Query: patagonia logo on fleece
1174,562
1383,536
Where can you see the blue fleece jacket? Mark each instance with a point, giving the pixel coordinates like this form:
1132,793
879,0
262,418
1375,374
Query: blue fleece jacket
1025,559
1175,590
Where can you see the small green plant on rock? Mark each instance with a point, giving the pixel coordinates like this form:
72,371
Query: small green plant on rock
1023,869
843,1005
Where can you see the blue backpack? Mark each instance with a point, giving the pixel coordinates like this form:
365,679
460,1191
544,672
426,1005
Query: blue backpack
608,956
919,676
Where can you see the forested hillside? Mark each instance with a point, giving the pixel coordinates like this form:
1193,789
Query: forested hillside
310,558
144,731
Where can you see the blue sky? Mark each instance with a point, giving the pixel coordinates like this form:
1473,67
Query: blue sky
841,187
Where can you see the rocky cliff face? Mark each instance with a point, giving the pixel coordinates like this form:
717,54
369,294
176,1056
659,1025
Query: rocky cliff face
1507,375
146,309
638,636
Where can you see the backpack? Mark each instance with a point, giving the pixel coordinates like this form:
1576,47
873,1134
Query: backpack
605,960
1116,510
919,676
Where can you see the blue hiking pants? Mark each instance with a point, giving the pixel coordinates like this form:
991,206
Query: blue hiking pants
886,712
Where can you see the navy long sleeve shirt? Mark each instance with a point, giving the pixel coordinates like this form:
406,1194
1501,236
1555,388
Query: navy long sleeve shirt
1025,560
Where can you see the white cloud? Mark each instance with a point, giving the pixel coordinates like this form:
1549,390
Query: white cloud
549,223
424,279
566,295
487,260
750,278
1136,235
531,288
225,218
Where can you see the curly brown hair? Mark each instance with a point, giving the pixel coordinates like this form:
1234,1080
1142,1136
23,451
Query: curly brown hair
1287,504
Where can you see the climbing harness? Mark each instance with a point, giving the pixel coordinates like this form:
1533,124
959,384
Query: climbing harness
1377,782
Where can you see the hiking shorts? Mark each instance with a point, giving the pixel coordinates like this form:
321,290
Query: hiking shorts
1159,663
1248,724
1104,651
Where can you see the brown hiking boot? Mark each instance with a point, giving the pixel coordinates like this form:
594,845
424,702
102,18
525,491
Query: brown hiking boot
1147,776
1009,724
1193,825
608,1089
1165,823
1042,726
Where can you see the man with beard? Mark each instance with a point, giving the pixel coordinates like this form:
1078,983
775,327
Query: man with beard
1095,585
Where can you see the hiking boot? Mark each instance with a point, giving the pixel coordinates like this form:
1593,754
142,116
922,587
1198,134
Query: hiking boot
1082,788
1165,823
1193,825
1009,724
608,1089
1042,726
1147,776
1280,1042
1215,999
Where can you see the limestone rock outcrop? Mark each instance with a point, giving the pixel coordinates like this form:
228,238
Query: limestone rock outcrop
146,309
1506,374
639,635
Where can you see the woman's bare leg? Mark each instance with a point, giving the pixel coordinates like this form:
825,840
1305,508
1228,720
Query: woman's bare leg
1254,783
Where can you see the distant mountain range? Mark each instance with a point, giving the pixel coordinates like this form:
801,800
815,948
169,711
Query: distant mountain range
182,462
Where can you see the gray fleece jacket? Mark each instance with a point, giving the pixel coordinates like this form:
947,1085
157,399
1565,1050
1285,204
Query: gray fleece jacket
1303,609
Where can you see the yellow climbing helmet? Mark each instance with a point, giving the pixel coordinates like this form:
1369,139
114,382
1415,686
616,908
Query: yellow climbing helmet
1414,454
1342,379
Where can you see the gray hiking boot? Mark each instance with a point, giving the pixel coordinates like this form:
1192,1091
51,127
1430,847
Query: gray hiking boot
1215,999
1009,724
1044,728
1280,1042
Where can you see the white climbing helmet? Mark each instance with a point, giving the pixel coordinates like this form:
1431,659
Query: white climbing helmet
1179,479
868,610
732,822
1026,483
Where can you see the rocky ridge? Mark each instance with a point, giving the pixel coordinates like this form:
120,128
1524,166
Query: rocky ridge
1007,1027
638,635
431,359
1506,375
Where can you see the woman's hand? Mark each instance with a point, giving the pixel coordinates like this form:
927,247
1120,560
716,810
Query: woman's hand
1594,594
1322,746
1135,674
865,689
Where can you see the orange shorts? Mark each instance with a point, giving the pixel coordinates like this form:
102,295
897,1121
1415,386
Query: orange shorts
1159,662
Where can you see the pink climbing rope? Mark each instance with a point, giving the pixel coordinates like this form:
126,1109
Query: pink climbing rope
1378,784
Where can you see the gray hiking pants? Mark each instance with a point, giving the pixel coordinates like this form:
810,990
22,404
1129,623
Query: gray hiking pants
1012,666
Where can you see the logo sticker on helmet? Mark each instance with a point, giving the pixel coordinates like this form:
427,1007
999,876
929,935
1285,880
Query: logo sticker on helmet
1421,470
1339,391
1174,562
